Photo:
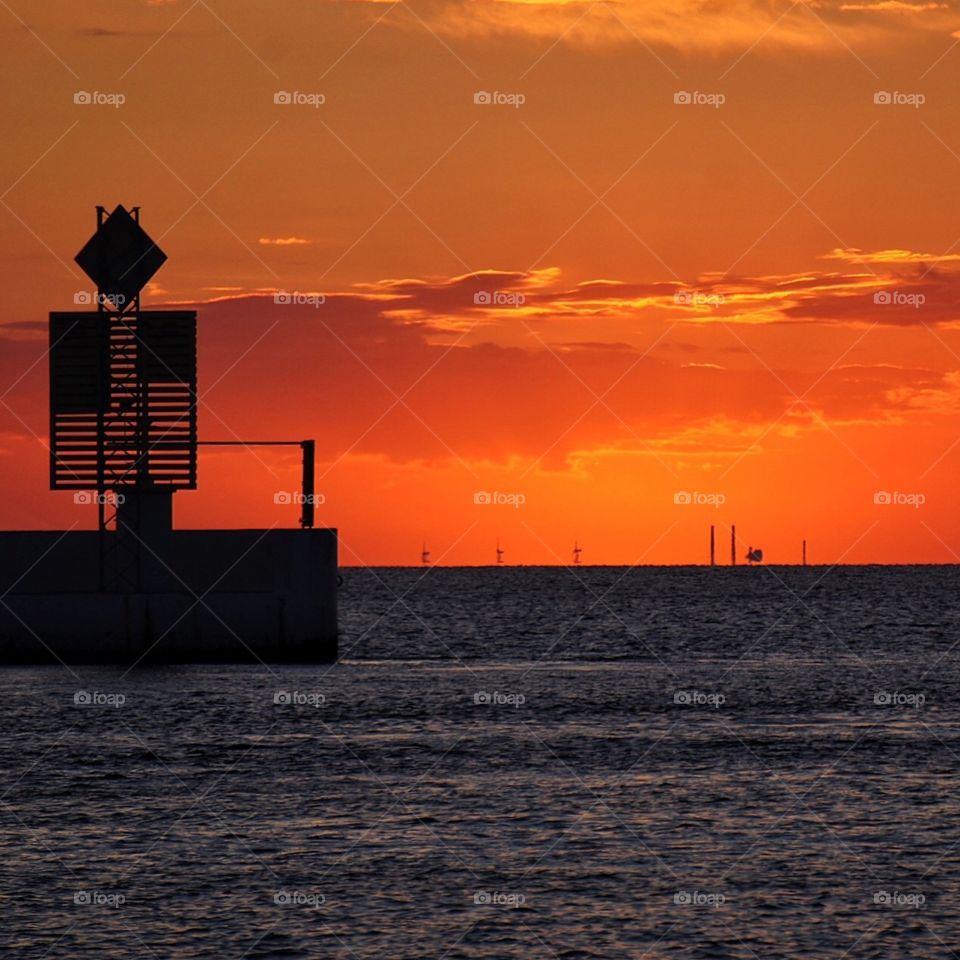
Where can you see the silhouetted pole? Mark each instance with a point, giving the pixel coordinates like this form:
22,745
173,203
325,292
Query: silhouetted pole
733,545
713,546
306,504
804,552
308,448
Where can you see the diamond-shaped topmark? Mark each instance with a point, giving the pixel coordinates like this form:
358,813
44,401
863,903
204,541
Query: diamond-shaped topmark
120,258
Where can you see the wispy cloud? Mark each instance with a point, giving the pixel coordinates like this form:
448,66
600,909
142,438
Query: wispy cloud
692,24
284,242
895,6
890,257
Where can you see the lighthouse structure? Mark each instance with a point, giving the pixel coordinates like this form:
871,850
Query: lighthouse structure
124,439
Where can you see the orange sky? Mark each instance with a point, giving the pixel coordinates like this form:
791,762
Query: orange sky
754,297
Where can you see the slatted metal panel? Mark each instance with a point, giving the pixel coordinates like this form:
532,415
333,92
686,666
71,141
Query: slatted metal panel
123,405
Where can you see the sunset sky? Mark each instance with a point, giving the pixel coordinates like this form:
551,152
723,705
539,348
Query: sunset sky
688,248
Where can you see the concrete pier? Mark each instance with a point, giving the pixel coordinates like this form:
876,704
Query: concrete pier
190,596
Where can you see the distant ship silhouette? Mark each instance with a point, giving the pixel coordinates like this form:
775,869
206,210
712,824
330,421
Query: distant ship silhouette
577,550
425,554
754,555
499,554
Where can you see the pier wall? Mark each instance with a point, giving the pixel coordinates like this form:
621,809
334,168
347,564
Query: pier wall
191,596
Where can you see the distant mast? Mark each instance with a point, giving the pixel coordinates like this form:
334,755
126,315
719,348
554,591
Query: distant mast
713,546
577,550
499,554
733,545
804,552
425,554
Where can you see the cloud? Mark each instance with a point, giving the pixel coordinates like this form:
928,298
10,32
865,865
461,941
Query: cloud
902,288
341,368
284,242
895,6
102,32
24,330
856,255
375,370
735,25
417,370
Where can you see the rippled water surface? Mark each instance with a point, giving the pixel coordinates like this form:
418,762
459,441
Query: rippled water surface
510,763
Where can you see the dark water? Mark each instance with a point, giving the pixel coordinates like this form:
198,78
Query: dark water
663,763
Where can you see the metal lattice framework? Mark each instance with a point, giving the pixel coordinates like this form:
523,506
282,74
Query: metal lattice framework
123,381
